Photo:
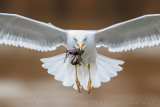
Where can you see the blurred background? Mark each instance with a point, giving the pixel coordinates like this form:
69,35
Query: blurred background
24,83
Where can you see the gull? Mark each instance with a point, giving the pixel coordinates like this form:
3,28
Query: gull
139,32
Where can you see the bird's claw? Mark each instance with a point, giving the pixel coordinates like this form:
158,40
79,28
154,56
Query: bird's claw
89,81
89,85
78,84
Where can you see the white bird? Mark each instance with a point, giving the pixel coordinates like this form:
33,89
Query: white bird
20,31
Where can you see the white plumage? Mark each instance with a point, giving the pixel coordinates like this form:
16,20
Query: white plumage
24,32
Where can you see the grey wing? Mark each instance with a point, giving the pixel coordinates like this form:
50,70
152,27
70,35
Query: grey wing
136,33
20,31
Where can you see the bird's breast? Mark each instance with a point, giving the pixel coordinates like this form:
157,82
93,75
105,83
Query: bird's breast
89,55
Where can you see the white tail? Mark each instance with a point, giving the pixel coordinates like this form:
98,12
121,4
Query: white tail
101,70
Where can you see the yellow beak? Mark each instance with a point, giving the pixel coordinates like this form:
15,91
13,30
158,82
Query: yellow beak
80,45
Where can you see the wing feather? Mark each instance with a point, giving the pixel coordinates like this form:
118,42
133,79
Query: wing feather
20,31
136,33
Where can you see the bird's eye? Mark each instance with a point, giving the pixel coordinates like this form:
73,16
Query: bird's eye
75,39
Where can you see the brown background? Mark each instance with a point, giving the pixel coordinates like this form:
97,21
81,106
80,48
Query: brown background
24,83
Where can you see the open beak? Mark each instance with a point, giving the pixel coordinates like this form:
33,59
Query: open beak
80,46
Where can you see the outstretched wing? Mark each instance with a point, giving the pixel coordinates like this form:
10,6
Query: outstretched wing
20,31
139,32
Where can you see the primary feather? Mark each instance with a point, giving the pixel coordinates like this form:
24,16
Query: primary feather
17,30
139,32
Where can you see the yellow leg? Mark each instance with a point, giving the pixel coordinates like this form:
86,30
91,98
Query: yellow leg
77,81
89,81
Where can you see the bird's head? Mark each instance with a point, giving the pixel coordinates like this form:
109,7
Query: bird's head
78,39
80,43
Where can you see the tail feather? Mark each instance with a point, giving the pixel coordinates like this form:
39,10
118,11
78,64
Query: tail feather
101,70
69,76
110,60
107,66
94,76
103,77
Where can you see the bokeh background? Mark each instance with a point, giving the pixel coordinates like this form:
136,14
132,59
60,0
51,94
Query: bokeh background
24,83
